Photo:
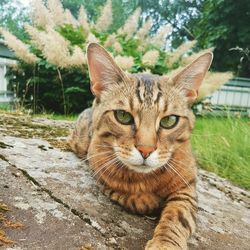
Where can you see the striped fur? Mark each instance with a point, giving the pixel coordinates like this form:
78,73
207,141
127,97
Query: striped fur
167,177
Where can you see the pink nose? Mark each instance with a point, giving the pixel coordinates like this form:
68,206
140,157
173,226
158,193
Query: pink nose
145,150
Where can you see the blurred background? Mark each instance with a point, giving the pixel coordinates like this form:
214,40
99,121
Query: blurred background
43,67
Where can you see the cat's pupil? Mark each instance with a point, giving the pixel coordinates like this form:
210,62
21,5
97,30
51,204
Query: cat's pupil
169,121
123,117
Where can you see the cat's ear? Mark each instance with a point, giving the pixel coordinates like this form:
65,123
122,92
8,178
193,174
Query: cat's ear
103,70
188,81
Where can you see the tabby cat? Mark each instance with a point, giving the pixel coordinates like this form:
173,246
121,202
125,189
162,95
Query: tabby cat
136,138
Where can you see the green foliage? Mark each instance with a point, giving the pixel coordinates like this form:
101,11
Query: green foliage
225,25
76,35
46,86
221,145
57,79
39,88
13,16
222,24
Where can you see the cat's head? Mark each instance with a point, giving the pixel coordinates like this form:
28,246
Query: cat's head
141,118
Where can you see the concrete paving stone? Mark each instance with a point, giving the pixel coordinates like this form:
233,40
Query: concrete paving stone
55,196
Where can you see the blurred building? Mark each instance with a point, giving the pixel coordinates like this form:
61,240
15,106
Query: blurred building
6,60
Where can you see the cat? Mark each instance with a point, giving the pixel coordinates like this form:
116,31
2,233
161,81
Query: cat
136,138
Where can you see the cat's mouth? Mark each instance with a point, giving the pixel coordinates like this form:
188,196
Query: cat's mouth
143,168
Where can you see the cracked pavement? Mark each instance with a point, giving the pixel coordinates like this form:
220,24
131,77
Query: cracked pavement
52,193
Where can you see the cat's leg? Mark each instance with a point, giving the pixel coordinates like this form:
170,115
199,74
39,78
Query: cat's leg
139,203
79,139
177,221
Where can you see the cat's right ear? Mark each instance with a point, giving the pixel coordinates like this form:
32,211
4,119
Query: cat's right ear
103,70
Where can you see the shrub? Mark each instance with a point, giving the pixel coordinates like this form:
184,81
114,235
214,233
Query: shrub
52,73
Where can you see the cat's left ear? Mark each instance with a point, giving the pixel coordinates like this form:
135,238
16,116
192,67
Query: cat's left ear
188,81
103,70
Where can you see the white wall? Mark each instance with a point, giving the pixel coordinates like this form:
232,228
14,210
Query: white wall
3,81
4,63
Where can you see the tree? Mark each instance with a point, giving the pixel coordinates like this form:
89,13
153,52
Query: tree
225,25
222,24
13,16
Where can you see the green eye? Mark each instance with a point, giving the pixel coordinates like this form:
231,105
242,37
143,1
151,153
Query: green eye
123,117
169,121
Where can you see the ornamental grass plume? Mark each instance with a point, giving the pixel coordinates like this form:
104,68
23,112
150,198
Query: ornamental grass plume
92,38
159,38
69,18
117,47
111,39
35,35
20,49
179,52
105,19
130,26
144,30
124,62
41,17
150,58
56,10
212,82
78,57
83,20
55,48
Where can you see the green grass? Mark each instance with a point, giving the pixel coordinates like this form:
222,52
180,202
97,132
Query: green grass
222,145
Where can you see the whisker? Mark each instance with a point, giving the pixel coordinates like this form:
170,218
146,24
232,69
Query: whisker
105,168
109,160
183,179
92,156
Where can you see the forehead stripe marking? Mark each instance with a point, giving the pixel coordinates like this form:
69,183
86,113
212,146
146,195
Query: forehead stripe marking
138,91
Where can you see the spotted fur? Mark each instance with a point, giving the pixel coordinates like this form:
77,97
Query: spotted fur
166,178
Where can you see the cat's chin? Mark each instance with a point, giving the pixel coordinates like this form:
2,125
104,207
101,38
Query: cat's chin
142,168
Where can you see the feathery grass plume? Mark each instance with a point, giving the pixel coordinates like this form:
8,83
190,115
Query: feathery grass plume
55,48
212,82
20,49
92,38
160,37
83,20
78,58
144,30
150,58
117,47
192,57
124,62
56,10
69,18
41,17
130,26
180,51
106,18
110,40
35,36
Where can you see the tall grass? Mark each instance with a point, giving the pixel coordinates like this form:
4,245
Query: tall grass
222,145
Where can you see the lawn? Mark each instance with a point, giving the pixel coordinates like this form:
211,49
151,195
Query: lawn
222,145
